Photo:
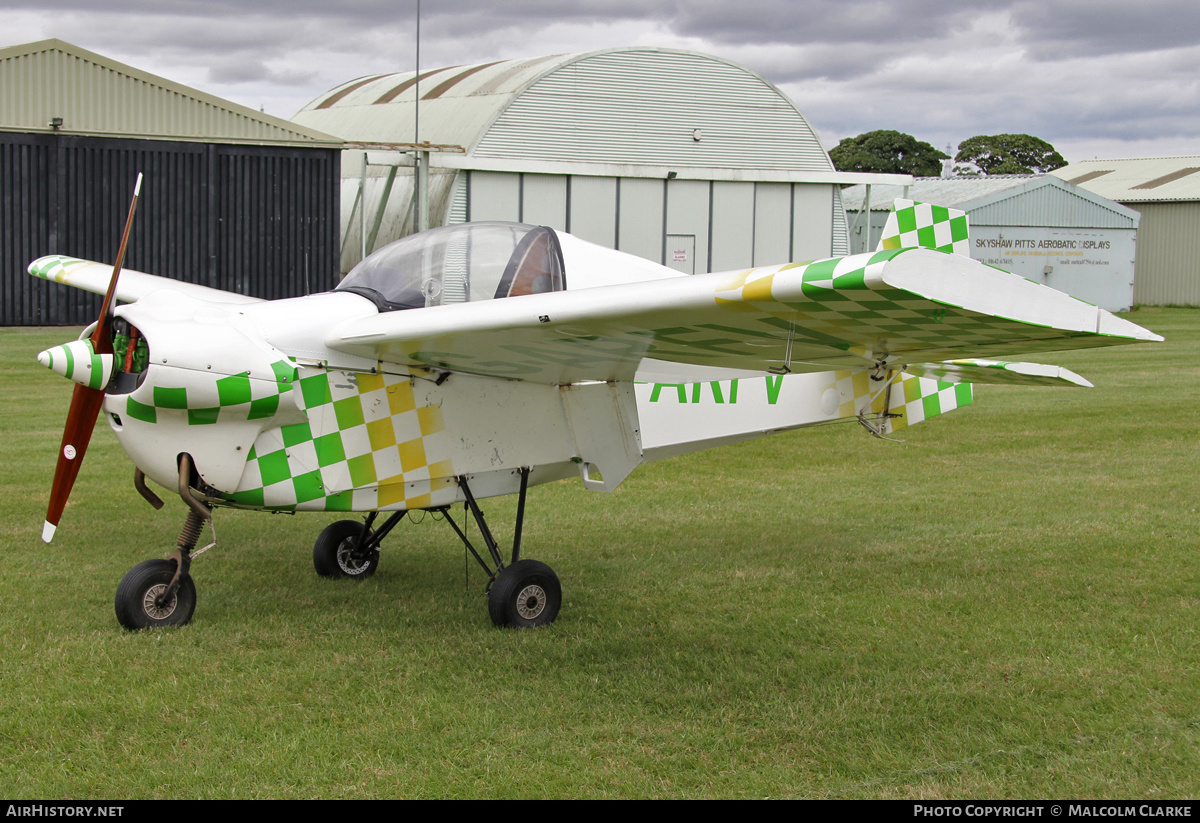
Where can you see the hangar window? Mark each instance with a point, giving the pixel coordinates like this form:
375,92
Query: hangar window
460,263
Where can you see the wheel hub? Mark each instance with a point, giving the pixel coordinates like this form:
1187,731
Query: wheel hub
153,604
351,563
531,601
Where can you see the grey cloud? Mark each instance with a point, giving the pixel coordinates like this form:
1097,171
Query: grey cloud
827,21
941,70
1070,28
250,69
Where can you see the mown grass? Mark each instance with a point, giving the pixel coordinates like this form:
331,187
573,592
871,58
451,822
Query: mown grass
1004,605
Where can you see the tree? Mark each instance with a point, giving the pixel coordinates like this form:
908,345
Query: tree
890,152
1006,154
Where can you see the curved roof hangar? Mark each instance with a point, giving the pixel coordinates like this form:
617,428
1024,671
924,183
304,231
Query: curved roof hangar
640,106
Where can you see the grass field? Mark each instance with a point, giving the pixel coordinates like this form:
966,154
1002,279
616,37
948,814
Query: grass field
1004,605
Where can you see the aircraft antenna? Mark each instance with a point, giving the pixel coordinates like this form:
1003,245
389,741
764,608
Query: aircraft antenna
420,193
417,83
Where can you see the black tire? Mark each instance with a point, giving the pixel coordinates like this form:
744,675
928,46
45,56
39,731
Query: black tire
135,602
527,594
333,553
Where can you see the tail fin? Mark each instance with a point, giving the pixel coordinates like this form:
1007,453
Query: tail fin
912,224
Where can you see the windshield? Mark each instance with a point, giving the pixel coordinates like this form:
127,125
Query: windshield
460,263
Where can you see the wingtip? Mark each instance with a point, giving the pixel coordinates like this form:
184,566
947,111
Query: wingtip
1111,324
48,530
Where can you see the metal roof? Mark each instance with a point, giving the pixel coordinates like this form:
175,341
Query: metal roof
639,106
457,103
940,191
1138,179
1006,199
94,95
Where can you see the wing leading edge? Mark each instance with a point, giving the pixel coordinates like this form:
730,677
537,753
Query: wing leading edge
131,285
888,308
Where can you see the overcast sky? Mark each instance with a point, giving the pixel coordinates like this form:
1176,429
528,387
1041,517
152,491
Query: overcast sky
1096,78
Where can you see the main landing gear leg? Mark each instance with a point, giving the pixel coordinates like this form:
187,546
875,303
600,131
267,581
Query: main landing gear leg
525,593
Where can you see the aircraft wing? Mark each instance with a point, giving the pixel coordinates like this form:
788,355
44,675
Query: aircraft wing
889,308
131,285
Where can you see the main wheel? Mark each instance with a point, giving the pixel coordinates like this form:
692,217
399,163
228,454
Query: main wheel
525,595
334,555
140,604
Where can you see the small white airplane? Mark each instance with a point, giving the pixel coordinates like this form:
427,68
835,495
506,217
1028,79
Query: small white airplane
481,359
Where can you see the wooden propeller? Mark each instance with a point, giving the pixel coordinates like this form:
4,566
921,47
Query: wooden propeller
86,402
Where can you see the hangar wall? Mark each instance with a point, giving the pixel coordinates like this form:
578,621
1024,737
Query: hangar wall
1168,248
1037,226
232,198
693,226
1165,191
682,158
253,220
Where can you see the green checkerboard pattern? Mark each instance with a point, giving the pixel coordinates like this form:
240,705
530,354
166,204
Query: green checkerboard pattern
236,397
55,267
848,307
1000,372
920,225
367,445
914,399
920,398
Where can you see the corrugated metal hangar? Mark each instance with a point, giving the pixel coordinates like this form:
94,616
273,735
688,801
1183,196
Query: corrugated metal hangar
1037,226
682,158
232,198
1166,191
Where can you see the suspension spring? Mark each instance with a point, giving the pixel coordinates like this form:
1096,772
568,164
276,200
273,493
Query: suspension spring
190,532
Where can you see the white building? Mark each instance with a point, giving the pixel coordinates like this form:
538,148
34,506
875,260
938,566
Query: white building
1165,191
1036,226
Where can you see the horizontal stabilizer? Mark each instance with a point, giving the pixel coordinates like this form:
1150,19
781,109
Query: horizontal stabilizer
998,371
131,285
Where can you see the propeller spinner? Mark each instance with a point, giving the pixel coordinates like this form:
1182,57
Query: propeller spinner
90,365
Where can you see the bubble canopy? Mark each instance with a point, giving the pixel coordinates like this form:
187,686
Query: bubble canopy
460,263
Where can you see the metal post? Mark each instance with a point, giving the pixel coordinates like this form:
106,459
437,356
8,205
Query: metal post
362,211
421,194
417,82
516,551
481,522
867,211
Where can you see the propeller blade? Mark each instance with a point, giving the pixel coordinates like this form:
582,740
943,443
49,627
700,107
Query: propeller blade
102,336
86,402
81,421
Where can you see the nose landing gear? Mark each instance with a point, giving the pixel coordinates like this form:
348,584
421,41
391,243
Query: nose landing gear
160,593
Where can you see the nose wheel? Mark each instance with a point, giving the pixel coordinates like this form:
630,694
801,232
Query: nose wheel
146,599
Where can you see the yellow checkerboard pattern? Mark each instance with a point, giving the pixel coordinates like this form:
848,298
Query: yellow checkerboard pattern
911,398
371,442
